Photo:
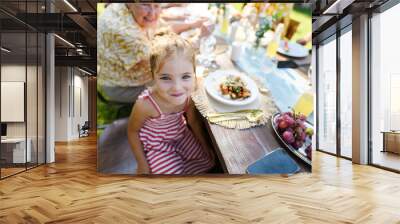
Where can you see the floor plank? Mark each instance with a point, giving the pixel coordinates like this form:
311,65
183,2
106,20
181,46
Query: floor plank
71,191
386,159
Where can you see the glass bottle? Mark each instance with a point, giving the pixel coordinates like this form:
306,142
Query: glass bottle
225,22
273,45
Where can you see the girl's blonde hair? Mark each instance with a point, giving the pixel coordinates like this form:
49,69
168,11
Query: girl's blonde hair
165,44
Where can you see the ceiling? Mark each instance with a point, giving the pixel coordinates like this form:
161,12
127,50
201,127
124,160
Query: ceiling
75,23
331,15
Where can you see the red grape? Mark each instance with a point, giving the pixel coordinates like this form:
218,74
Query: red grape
283,125
298,130
300,123
288,137
303,136
297,144
290,121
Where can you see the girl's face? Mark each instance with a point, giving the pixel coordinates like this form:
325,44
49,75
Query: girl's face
175,81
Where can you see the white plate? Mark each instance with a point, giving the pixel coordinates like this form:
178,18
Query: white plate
295,50
214,79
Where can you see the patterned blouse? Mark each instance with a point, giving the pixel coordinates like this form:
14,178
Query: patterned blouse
121,45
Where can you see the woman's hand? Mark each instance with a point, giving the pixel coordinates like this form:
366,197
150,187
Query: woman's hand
206,29
199,22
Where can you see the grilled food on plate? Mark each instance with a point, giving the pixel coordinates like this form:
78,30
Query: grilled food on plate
234,87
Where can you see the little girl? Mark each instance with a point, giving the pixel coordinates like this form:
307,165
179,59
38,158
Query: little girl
163,140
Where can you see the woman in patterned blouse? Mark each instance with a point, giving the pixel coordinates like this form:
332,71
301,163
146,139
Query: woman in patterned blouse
123,40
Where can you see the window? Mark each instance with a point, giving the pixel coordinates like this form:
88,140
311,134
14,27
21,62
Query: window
346,95
327,96
385,87
22,65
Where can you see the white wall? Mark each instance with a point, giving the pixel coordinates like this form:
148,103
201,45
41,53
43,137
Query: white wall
61,103
71,93
12,73
80,110
33,127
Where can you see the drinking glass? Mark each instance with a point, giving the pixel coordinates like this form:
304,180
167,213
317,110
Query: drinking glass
272,50
207,49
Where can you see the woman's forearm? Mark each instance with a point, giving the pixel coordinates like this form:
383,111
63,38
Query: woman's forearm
168,17
179,27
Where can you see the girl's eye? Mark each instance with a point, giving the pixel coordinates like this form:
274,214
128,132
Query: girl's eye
165,78
186,76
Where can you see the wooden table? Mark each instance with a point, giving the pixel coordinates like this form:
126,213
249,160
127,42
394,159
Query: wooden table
391,141
237,149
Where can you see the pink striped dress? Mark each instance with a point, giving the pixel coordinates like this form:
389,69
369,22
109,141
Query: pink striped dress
170,146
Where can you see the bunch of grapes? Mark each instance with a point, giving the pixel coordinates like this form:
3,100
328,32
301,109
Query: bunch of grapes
293,130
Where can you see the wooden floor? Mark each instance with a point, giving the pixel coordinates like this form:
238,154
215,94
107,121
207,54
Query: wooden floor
10,171
70,191
386,159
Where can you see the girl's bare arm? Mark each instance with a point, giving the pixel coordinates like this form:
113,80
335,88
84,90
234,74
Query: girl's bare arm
137,118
